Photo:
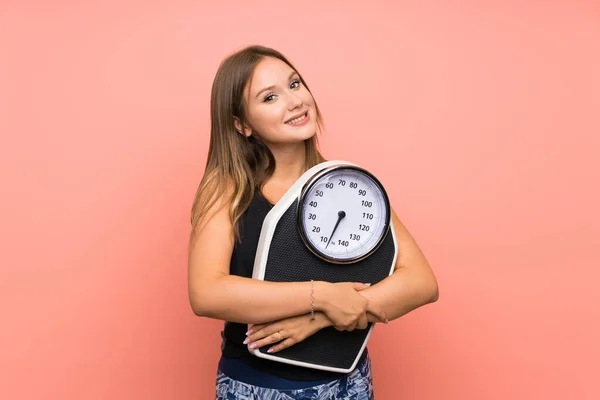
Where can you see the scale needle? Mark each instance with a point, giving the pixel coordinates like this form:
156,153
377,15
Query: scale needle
341,215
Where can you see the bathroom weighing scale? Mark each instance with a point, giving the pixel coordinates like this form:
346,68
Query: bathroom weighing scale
332,225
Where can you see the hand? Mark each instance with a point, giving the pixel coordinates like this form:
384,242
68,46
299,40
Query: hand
345,307
287,331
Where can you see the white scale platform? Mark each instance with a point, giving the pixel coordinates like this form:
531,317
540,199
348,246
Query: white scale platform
290,251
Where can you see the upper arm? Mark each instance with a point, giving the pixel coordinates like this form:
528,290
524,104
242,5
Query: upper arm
410,255
210,250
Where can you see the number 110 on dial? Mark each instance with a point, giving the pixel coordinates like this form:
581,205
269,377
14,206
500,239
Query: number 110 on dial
344,214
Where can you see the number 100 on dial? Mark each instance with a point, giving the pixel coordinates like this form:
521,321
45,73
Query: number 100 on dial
344,214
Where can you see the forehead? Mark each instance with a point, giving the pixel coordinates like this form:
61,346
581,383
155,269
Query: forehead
269,71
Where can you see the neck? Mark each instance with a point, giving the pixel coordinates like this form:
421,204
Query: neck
289,163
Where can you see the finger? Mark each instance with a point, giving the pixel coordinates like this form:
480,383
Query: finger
255,328
352,326
274,338
262,333
373,318
377,311
360,286
283,345
362,322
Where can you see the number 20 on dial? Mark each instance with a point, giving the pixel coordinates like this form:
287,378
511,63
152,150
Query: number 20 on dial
344,214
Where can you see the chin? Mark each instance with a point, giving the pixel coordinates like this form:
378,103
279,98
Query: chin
309,134
304,132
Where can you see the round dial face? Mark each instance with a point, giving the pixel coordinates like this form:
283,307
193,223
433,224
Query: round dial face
344,214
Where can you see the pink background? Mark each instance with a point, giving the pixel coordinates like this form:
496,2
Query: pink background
481,118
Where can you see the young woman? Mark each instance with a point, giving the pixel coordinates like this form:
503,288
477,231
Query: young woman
264,123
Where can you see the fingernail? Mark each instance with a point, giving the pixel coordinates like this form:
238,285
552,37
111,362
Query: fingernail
270,350
249,332
368,284
253,346
247,341
386,321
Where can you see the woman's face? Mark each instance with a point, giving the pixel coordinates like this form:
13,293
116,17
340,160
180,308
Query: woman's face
280,109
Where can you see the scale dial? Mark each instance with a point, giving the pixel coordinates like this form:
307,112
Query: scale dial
344,214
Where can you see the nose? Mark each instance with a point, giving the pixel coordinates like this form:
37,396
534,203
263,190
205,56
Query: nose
294,101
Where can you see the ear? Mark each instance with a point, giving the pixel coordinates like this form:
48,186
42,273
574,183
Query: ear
246,131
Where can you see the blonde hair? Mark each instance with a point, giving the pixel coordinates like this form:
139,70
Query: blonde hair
237,166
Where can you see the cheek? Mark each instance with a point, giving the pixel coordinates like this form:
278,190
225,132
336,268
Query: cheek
307,97
266,119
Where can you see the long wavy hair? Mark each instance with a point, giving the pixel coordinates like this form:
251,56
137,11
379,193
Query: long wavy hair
237,166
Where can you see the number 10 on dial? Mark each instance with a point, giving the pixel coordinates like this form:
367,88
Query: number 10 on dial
344,214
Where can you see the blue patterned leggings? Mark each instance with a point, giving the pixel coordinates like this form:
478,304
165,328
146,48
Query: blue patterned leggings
356,385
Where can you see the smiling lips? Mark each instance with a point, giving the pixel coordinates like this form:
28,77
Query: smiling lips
301,120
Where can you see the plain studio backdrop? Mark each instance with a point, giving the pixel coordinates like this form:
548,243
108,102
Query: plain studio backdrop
481,118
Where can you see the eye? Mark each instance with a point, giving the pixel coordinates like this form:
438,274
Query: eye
295,84
269,98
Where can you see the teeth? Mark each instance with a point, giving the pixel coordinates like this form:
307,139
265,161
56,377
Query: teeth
293,121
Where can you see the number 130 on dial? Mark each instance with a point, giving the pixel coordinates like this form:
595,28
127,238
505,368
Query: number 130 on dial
343,214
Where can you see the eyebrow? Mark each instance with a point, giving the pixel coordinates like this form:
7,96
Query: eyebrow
273,86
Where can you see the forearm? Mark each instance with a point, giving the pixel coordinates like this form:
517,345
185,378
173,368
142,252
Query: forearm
403,291
251,301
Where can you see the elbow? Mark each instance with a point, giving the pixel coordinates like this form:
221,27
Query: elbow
205,299
197,307
200,305
432,292
427,290
435,294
